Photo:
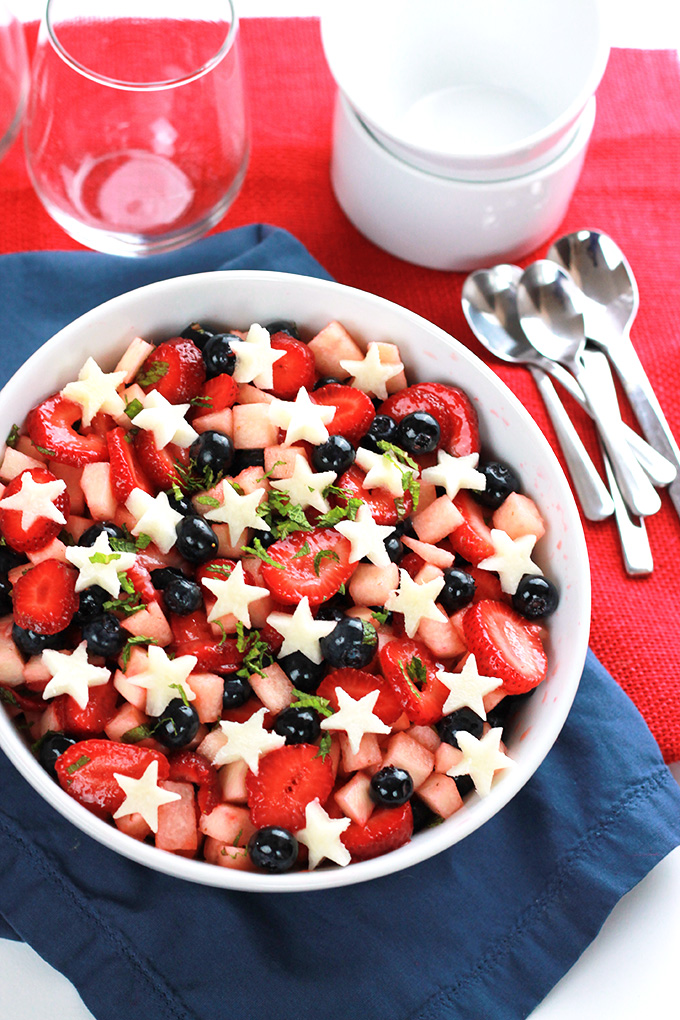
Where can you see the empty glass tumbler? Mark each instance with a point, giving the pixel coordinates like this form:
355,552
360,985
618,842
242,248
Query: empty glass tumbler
136,129
13,77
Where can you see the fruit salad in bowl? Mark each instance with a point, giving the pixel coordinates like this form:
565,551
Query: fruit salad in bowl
293,592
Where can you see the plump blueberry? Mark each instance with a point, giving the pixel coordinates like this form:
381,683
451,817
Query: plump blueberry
405,527
283,326
164,576
391,786
334,609
501,480
298,725
273,849
336,454
535,597
327,380
197,334
418,433
89,537
266,538
501,714
459,588
104,636
182,596
237,690
464,784
91,603
247,458
395,549
196,540
177,725
182,504
5,596
31,643
422,814
382,429
218,356
463,719
352,642
304,674
51,747
212,451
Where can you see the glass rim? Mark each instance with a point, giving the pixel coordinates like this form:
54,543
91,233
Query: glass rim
145,86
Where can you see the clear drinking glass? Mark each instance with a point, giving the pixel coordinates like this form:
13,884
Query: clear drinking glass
13,77
136,130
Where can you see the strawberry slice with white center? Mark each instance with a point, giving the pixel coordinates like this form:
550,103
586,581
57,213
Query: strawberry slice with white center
295,369
50,426
34,509
472,539
45,597
504,646
308,563
384,509
385,830
288,780
126,473
354,410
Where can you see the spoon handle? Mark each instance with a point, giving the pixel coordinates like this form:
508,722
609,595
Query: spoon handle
590,489
635,548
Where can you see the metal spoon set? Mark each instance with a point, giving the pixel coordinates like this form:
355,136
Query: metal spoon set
569,317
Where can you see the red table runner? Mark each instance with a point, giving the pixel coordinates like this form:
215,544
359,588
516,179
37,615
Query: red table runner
629,188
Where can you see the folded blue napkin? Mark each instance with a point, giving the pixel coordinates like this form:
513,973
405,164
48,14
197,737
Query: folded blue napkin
480,932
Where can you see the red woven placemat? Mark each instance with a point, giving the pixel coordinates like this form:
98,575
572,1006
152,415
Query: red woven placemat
630,188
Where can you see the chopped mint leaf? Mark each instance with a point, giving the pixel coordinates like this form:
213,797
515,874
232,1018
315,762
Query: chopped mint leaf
370,633
324,747
153,374
415,675
41,740
136,639
201,402
182,693
380,615
238,837
224,633
401,456
282,515
206,500
268,474
142,541
7,696
304,551
133,408
315,701
324,554
256,653
12,436
66,537
44,450
100,557
339,513
74,766
257,549
137,733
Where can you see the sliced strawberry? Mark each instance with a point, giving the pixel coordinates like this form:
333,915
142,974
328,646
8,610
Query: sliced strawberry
190,767
420,398
412,564
91,720
357,684
411,671
140,578
288,780
242,713
295,369
317,573
86,771
219,392
50,426
354,410
43,530
386,829
22,700
487,586
190,627
176,369
100,425
126,473
504,646
45,597
159,466
472,538
219,569
382,504
463,422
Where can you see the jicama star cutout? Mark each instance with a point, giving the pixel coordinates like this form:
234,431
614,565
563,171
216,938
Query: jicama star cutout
301,418
355,717
155,518
143,796
370,375
301,632
99,564
96,391
72,674
255,358
165,679
321,836
481,759
167,421
416,601
305,487
35,500
511,559
238,512
382,471
233,595
366,537
455,473
467,688
247,741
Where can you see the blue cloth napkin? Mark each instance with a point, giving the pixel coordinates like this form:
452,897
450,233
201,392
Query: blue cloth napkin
480,932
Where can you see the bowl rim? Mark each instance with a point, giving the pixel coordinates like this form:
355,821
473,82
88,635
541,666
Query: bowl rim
482,809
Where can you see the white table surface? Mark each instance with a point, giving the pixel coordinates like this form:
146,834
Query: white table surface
629,971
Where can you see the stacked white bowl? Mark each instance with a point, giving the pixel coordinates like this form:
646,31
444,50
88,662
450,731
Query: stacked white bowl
461,126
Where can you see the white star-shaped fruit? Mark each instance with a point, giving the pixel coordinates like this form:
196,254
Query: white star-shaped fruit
238,512
96,391
301,632
233,595
72,674
511,559
35,500
370,375
155,518
247,741
321,835
305,487
366,537
481,759
416,601
455,473
382,471
99,564
167,421
255,358
302,418
355,717
467,688
165,679
144,795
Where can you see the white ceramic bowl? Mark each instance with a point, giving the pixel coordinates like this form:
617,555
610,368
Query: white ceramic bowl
238,299
443,223
469,89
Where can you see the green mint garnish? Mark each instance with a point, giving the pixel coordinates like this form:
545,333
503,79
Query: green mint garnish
136,639
303,551
133,408
256,653
324,747
415,675
379,615
257,549
315,701
12,436
324,554
207,500
7,696
100,557
44,450
153,374
182,693
74,766
137,733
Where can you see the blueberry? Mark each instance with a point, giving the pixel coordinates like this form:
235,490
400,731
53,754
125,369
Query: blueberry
327,380
104,636
501,480
405,527
283,326
5,596
266,538
463,719
501,714
418,433
352,642
535,597
395,549
164,576
273,849
298,725
247,458
423,816
89,537
334,609
459,588
31,643
237,690
304,674
336,454
392,786
181,504
177,725
464,784
182,596
196,540
91,603
218,355
382,429
51,747
197,334
212,451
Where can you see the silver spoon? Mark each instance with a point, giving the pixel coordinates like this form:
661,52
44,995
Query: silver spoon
554,326
609,306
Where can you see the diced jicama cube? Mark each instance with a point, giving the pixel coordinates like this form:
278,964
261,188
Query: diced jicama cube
213,743
71,475
126,718
209,689
370,585
248,394
437,521
274,689
177,829
95,482
369,752
225,547
134,825
407,753
151,622
14,462
331,346
229,824
427,736
518,515
219,421
440,793
493,698
389,355
279,461
54,550
354,798
430,553
446,757
426,495
233,782
253,428
133,358
226,856
443,639
251,479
